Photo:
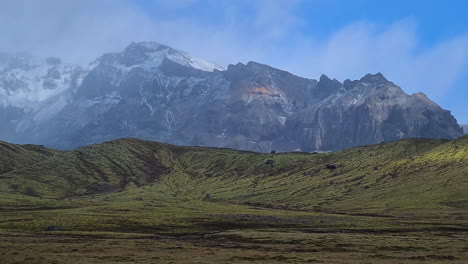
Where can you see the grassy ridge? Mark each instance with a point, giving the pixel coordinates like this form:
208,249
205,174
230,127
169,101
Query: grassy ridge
414,173
14,156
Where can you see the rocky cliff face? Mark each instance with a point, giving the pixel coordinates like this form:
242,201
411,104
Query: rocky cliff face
367,111
151,91
465,129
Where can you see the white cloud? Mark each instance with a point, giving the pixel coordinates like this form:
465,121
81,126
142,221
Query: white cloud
265,30
394,50
74,30
276,19
79,31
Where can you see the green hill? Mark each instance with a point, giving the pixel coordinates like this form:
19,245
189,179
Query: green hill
415,189
414,173
15,156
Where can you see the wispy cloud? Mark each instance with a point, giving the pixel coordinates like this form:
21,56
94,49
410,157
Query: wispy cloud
74,30
276,19
394,50
267,31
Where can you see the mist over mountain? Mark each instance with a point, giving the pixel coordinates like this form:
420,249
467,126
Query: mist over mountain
155,92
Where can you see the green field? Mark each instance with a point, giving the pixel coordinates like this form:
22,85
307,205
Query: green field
133,201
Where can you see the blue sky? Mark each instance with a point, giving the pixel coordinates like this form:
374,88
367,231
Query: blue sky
426,24
437,19
420,45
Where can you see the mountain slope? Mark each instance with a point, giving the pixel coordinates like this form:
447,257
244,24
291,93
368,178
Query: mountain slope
27,81
413,173
32,92
154,92
369,111
15,156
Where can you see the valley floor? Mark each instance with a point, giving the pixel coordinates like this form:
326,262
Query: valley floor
189,233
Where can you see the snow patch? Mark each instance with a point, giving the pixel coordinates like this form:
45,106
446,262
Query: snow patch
186,59
26,82
155,54
282,120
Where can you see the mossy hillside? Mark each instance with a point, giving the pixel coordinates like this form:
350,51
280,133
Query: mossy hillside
390,175
13,156
413,173
395,202
98,168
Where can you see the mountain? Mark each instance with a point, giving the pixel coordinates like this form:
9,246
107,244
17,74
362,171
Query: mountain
367,111
32,91
154,92
27,81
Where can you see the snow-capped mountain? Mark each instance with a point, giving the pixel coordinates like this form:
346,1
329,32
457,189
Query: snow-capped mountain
148,56
152,91
32,91
27,81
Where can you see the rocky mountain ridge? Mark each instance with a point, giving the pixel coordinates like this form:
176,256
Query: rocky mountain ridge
152,91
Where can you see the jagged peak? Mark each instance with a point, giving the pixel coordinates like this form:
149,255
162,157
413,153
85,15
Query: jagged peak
256,68
150,54
423,97
325,80
254,63
324,77
263,67
348,84
232,67
378,77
